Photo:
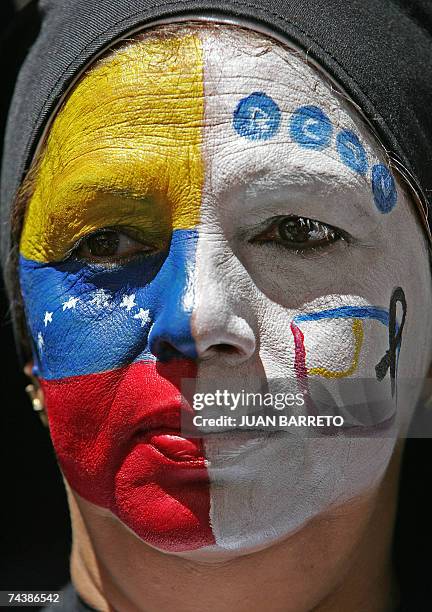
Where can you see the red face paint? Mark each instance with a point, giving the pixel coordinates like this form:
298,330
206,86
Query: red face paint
117,436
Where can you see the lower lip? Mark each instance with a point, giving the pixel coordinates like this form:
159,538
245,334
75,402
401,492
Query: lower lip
189,452
175,447
228,447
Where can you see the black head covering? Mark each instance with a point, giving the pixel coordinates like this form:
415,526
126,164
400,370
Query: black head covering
379,51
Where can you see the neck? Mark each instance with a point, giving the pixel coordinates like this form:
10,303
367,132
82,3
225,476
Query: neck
338,561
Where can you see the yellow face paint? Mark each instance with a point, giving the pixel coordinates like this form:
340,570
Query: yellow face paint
125,150
357,328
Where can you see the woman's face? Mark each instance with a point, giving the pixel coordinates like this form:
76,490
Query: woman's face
208,208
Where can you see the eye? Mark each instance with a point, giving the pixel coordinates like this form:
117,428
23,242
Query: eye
299,233
110,246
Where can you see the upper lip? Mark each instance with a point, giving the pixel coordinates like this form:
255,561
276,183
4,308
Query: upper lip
165,417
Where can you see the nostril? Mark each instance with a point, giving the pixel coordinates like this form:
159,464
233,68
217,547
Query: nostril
228,338
174,342
226,348
230,353
220,350
166,351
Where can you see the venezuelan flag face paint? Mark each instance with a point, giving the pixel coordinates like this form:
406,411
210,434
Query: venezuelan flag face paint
208,160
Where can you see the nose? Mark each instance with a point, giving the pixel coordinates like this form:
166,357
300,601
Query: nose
200,314
223,306
170,336
228,338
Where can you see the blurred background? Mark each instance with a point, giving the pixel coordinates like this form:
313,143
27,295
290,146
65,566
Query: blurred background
19,4
34,524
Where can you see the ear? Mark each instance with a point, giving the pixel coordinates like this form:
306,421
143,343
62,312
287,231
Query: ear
35,393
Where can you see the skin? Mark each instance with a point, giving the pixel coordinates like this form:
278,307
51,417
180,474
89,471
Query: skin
301,522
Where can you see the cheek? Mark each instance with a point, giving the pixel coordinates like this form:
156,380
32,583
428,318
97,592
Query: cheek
404,262
104,386
411,268
337,335
86,318
94,424
83,322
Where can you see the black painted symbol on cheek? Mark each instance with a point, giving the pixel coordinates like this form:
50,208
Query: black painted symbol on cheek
395,338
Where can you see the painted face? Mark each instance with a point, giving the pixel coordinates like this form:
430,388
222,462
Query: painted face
207,207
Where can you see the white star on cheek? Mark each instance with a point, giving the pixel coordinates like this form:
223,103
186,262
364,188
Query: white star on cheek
48,318
71,303
100,299
128,302
144,315
40,341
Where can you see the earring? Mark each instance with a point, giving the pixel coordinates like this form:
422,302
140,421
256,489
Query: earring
37,404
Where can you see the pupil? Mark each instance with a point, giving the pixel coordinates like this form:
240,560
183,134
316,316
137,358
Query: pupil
295,230
104,244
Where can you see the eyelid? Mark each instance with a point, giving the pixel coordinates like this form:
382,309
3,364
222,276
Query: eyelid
279,218
130,233
271,224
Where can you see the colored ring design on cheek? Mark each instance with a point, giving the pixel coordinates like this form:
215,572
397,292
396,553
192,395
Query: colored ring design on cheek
358,333
359,314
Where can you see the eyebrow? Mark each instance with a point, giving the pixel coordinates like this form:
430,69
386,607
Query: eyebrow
104,187
272,179
272,195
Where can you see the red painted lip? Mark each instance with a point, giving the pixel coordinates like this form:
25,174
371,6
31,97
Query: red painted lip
162,429
174,445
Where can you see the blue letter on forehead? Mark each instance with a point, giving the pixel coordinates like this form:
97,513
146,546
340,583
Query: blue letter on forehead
311,128
257,117
351,151
383,188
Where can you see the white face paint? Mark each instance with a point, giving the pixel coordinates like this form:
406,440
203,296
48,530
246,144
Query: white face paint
265,159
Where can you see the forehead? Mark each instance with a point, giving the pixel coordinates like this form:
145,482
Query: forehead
153,125
164,87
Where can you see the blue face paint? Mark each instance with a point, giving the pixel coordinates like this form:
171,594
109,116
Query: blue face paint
257,117
87,318
383,188
346,312
351,151
311,128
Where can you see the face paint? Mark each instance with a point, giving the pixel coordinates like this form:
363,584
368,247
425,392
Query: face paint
198,151
143,171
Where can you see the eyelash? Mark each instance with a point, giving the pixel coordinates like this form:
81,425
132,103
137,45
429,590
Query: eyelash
305,224
338,235
307,254
114,262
